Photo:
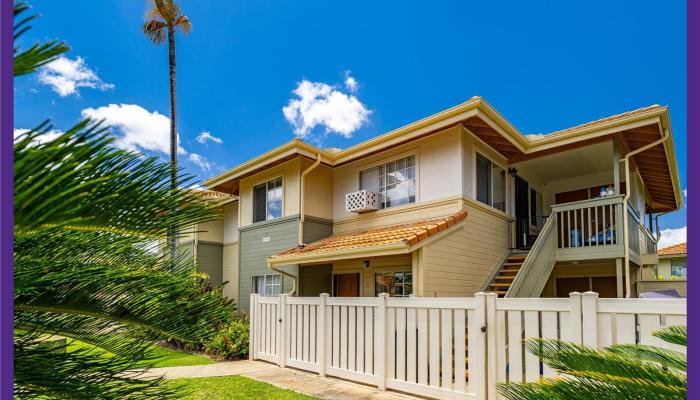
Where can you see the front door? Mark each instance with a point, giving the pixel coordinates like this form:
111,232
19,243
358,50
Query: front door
346,285
522,223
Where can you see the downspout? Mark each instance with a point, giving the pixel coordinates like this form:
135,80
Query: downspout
287,274
625,217
301,223
301,198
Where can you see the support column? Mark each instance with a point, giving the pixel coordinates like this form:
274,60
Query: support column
619,276
616,168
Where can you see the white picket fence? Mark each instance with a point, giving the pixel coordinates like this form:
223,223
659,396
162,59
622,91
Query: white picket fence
447,348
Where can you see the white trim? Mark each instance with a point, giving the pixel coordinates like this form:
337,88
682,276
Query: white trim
284,196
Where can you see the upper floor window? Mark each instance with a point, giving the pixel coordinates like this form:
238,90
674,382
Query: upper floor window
267,200
490,183
395,181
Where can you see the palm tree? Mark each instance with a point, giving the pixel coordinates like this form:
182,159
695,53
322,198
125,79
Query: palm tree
162,21
88,262
617,372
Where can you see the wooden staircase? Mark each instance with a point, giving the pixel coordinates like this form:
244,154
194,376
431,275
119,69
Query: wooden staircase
504,278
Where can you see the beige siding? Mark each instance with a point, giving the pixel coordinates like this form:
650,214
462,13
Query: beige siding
395,263
230,270
399,215
289,171
438,171
460,263
230,226
211,231
318,185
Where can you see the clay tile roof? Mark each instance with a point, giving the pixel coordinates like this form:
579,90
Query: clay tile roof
408,234
213,195
675,250
597,122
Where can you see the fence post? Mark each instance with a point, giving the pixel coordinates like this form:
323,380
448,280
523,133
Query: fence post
589,311
575,314
491,335
380,351
321,337
253,329
477,348
282,333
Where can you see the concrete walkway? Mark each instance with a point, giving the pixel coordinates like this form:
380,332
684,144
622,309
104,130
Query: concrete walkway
286,378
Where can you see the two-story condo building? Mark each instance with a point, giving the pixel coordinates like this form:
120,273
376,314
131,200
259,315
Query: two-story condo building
453,204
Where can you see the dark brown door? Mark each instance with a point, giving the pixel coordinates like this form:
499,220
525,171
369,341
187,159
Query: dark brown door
346,285
568,285
605,286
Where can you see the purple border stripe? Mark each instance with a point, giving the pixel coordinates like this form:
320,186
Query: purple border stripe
6,208
693,106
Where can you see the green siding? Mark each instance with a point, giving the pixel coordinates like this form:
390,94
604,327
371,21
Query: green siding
254,252
283,234
316,279
210,257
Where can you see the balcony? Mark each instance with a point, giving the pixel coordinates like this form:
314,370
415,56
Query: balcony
593,229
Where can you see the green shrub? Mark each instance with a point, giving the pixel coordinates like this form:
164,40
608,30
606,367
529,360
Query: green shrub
230,341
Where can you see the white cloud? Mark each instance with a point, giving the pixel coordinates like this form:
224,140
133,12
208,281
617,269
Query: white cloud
200,161
685,193
350,82
65,76
46,137
320,104
140,129
672,236
205,136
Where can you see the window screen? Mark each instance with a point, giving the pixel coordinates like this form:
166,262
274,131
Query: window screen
395,181
260,203
483,179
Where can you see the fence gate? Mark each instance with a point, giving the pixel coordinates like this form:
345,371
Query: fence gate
446,348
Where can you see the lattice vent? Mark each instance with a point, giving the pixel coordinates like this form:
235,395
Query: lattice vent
362,201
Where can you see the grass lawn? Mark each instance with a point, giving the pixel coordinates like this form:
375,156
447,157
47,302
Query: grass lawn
163,357
234,388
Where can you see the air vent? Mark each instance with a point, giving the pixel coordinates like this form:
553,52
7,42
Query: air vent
362,201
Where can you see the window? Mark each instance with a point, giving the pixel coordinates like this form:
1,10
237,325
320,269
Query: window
267,285
679,268
397,284
395,181
490,183
267,200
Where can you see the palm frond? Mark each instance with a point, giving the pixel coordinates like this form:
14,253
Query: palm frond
39,54
664,357
677,334
184,24
155,31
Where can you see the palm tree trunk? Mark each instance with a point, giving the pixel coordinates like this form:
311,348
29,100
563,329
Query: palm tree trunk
172,235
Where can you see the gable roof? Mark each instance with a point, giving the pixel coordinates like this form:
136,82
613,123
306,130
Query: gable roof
399,237
640,127
675,250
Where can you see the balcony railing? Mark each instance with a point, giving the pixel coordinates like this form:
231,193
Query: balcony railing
588,224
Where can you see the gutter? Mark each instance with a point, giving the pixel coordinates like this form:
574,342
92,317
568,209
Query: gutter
625,216
301,198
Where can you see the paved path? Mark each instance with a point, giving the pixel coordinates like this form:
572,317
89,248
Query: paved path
298,381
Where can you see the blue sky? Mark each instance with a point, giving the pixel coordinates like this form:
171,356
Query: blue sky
544,65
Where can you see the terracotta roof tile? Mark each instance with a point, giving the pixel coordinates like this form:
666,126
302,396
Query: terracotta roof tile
675,250
410,233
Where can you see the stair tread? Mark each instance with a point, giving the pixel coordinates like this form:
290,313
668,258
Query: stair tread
500,285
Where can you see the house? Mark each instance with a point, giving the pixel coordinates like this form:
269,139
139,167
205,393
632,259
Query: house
450,205
670,273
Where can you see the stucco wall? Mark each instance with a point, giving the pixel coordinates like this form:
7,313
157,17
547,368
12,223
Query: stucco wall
289,171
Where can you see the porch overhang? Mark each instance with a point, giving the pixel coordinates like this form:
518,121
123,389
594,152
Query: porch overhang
373,242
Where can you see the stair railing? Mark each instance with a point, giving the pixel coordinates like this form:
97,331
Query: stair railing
533,274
